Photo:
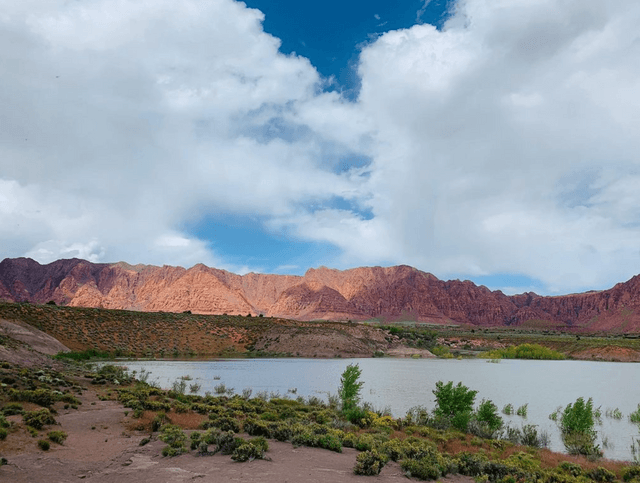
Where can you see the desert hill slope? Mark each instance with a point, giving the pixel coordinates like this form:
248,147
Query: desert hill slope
399,292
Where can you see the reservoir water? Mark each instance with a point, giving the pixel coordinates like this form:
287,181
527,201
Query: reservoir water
403,383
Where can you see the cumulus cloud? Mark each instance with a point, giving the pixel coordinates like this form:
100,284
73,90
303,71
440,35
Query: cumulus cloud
484,128
504,143
125,120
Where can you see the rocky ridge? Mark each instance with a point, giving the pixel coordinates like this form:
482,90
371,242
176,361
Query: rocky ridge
391,293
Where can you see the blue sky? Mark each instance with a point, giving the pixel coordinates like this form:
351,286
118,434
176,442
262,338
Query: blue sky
330,33
473,139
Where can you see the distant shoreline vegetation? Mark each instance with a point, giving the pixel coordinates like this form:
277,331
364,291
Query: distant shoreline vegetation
524,351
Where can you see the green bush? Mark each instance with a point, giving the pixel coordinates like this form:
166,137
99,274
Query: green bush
11,409
577,423
3,433
574,469
57,436
38,419
250,450
227,442
454,404
174,437
602,475
43,444
470,464
41,397
631,473
370,463
420,469
525,351
486,421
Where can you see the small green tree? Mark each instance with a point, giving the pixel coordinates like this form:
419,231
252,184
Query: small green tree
349,392
454,403
577,423
350,386
487,419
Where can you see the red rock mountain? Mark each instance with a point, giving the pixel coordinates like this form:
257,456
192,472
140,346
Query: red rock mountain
399,292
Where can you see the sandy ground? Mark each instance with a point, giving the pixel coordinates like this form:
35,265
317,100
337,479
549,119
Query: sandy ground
101,448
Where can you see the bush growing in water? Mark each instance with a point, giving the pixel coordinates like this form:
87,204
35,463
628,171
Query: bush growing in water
577,423
454,404
486,422
525,351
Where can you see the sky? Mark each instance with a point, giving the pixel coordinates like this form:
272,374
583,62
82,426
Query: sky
489,140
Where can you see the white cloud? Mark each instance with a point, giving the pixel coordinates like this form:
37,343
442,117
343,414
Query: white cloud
481,126
505,143
127,119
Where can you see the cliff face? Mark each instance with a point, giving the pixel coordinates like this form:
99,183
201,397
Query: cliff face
399,292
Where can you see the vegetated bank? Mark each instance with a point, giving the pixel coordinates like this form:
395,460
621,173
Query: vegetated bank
468,341
457,438
183,335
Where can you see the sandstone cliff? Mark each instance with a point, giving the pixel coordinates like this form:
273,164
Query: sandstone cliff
390,293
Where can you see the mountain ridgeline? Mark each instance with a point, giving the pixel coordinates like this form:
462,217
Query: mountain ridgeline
391,293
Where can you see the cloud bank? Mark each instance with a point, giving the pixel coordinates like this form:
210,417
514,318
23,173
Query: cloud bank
504,143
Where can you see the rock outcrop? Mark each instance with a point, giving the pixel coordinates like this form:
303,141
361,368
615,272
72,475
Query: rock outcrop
391,293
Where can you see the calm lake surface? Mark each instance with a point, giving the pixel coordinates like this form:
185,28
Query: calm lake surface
403,383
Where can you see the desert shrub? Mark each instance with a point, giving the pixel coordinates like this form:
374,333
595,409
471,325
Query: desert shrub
57,436
280,431
171,452
3,433
158,421
420,469
41,397
470,464
574,469
365,442
181,408
602,475
11,409
38,419
114,374
70,399
349,440
3,422
370,463
394,449
227,442
174,437
330,442
508,409
454,404
254,427
43,444
631,473
250,450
